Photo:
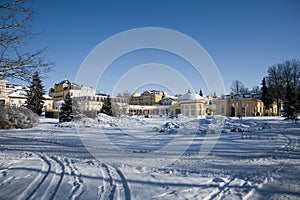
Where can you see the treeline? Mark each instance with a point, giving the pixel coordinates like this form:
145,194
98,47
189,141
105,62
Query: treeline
282,84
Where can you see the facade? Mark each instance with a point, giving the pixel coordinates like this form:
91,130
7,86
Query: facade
148,110
85,96
3,92
240,105
192,105
18,98
65,87
147,98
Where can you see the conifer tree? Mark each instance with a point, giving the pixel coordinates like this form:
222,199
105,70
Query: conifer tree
107,108
290,103
35,94
265,96
65,114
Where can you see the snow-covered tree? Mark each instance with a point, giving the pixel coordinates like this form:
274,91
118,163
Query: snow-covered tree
65,114
15,117
35,94
107,107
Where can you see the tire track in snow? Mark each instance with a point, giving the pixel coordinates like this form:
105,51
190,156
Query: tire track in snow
38,181
115,183
53,181
60,177
108,183
127,195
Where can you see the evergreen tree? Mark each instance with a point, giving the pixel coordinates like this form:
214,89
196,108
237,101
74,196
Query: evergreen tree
65,114
265,96
107,108
35,94
200,93
290,103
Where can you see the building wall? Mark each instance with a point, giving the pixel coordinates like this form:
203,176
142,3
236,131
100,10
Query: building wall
3,93
192,109
239,107
147,98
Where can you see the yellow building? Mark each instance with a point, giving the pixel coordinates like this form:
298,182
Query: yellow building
65,87
85,96
239,105
147,98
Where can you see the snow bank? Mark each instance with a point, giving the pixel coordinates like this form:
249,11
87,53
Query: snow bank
103,120
214,124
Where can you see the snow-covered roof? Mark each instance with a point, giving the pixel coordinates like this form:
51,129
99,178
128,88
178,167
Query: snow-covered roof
191,97
18,94
149,107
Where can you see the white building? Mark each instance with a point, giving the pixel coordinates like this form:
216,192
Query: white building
192,105
18,98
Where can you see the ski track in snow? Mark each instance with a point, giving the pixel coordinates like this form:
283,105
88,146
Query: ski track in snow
115,184
61,173
38,181
47,183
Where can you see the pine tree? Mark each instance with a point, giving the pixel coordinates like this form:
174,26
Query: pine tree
107,108
65,114
35,94
290,103
265,96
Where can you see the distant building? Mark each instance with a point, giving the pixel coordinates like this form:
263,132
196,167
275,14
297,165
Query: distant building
243,105
192,105
86,96
147,98
60,90
18,97
3,92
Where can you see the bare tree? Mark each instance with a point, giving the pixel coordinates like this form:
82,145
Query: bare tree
255,89
15,24
238,87
280,76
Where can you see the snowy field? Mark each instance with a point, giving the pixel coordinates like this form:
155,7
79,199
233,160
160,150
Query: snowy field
154,158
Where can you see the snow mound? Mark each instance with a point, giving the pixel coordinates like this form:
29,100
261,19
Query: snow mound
124,121
103,120
169,127
211,125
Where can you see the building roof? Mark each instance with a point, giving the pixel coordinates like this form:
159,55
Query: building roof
18,94
191,97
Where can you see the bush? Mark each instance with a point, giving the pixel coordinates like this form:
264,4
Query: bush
14,118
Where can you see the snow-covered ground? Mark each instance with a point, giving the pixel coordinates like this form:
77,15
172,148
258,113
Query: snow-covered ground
154,158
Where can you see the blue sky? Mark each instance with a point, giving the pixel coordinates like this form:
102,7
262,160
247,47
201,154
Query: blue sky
243,38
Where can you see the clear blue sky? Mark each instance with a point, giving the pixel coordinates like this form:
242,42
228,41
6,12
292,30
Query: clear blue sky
243,38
